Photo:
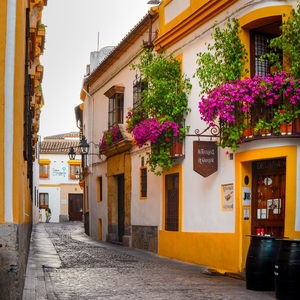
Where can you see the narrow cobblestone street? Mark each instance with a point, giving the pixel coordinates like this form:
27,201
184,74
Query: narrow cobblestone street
80,268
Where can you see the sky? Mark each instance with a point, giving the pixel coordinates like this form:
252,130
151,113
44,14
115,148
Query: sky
71,34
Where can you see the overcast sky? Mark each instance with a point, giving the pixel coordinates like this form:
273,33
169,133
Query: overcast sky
71,34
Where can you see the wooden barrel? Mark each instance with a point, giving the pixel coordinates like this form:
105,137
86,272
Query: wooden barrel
287,270
260,263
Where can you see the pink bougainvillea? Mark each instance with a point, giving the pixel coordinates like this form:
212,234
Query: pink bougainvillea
111,137
227,100
152,129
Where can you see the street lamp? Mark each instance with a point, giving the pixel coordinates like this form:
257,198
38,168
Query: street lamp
72,153
154,2
84,146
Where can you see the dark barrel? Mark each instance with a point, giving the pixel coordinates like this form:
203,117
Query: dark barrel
287,270
260,263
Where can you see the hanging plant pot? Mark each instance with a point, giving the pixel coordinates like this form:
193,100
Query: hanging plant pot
283,128
176,149
296,126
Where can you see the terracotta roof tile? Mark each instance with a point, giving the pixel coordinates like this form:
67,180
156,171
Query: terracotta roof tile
59,146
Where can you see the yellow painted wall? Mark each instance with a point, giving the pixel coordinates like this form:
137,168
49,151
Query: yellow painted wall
198,13
196,247
3,7
20,183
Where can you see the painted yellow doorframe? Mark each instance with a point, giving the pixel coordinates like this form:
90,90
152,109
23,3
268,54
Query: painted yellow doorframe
243,167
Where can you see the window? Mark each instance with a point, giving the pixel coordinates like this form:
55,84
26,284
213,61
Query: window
115,110
260,40
44,200
74,170
44,170
100,189
138,87
115,105
143,183
172,202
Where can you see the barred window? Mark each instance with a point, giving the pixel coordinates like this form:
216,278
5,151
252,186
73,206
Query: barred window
138,87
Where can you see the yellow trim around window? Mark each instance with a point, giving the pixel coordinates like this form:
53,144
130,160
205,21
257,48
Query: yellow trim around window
74,162
141,197
44,161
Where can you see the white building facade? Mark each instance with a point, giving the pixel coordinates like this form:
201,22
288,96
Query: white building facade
208,231
58,182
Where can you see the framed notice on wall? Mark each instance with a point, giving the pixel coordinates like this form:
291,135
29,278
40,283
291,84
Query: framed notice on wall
227,197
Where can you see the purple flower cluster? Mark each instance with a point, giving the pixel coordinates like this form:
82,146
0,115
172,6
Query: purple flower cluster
111,137
151,130
230,98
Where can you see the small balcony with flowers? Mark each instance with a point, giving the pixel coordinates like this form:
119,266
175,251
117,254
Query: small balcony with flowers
263,106
254,108
115,140
160,103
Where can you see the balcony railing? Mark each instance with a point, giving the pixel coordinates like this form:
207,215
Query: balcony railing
262,111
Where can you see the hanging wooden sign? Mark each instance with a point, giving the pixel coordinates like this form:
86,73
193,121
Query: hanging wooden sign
205,158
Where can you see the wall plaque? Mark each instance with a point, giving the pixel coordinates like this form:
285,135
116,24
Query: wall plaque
205,158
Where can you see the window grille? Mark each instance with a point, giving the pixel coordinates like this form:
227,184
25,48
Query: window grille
138,87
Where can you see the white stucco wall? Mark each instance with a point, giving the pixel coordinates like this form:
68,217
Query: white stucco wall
59,173
145,212
98,210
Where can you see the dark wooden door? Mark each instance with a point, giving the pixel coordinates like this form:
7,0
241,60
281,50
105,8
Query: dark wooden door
121,207
75,207
268,197
172,202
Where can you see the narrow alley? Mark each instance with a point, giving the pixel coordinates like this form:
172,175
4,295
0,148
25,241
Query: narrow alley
64,263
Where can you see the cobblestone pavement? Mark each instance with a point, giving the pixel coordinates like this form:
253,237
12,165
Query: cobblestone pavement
98,270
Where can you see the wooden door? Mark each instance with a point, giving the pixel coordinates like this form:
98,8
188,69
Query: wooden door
121,207
75,207
172,202
268,197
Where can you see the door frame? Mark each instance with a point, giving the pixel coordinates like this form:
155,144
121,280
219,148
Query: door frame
175,169
243,160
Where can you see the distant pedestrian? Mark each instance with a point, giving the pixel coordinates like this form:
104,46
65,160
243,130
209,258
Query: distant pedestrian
40,215
48,214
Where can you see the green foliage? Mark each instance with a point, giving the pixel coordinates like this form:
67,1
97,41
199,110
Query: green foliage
166,98
287,43
225,60
261,125
283,115
167,91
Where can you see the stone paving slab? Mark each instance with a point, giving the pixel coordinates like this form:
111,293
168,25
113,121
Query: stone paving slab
73,266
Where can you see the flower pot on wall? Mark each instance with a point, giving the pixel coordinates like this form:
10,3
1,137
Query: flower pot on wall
289,128
296,126
176,149
283,128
